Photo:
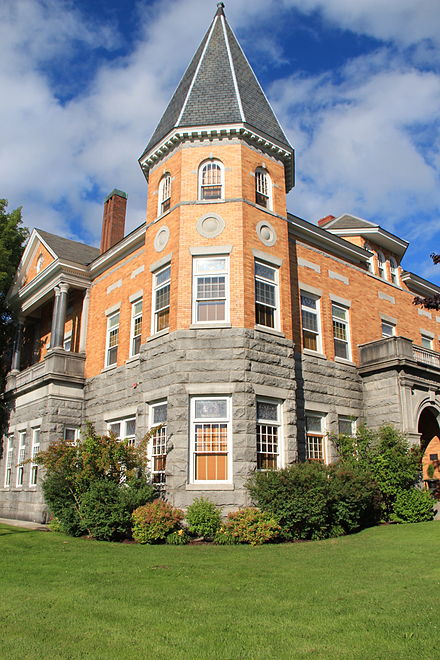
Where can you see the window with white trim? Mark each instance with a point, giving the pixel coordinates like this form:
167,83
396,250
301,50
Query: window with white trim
346,425
158,442
263,188
266,295
426,341
136,328
210,289
9,461
388,329
34,451
341,331
210,439
381,266
71,435
211,180
124,429
21,457
111,353
315,437
67,341
394,271
164,194
370,264
310,321
161,299
39,263
268,434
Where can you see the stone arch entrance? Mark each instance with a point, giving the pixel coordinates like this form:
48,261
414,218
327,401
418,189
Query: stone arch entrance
429,430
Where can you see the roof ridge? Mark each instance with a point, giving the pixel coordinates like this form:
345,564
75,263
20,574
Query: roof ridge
231,64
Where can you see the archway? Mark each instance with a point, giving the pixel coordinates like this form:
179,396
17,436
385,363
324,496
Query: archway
429,430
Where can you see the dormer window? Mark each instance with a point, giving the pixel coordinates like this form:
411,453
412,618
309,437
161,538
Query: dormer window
263,187
165,194
394,271
211,181
381,266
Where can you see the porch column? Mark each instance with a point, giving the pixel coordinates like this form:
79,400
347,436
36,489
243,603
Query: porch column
16,354
60,318
54,317
84,321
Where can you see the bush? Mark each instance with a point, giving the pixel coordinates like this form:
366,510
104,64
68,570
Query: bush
154,521
180,537
412,506
224,536
250,525
315,501
203,518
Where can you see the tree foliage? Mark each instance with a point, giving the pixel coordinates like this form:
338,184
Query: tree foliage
430,302
93,486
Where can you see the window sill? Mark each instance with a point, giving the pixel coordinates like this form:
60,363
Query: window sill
210,486
110,367
345,361
270,331
210,201
205,326
317,354
161,333
133,358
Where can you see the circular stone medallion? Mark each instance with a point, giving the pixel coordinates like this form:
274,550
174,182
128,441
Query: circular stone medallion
266,233
161,239
210,225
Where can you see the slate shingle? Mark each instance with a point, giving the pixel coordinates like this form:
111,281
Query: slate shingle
71,250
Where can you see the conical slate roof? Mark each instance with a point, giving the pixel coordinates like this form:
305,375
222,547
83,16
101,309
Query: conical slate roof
219,87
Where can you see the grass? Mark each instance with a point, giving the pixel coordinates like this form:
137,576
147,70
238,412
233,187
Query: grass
370,595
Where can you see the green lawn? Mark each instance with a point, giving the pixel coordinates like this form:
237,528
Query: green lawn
372,595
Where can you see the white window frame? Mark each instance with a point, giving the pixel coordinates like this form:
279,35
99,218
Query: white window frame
346,419
426,341
158,441
210,165
135,316
394,271
21,458
66,432
40,262
387,324
33,475
158,310
273,283
111,329
382,266
263,188
123,434
210,420
316,312
198,274
266,428
368,247
164,194
9,461
346,323
67,341
317,437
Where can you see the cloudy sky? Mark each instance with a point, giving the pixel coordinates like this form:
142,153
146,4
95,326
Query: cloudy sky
355,84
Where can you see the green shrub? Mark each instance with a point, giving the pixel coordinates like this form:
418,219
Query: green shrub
412,506
154,521
250,525
203,518
315,501
180,537
224,536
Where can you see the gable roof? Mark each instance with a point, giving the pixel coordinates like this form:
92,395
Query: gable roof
351,225
219,87
64,248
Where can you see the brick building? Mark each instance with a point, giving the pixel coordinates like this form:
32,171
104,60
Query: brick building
249,332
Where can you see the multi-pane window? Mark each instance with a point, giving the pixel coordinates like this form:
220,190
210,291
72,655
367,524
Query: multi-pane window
388,329
136,327
426,341
112,339
211,184
71,434
310,321
381,266
210,289
262,188
346,425
394,271
164,194
34,452
158,443
67,341
266,295
9,459
268,434
161,299
124,429
210,431
21,457
315,437
340,331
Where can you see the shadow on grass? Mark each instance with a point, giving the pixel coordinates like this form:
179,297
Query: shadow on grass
7,531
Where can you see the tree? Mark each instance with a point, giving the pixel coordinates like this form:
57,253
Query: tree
430,302
12,239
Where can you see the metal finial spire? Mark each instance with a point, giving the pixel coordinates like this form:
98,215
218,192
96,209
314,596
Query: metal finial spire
220,7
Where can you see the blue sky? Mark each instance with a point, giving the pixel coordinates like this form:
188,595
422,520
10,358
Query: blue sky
355,85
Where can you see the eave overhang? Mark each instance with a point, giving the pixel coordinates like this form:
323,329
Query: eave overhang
124,247
369,231
418,285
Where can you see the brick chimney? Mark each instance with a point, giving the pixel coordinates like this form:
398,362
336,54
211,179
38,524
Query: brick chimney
326,220
113,220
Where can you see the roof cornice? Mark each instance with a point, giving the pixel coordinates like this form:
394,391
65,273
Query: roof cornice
419,285
128,244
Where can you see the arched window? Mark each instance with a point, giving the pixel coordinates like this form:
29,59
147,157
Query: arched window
211,180
394,271
367,246
381,266
263,188
164,193
40,263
